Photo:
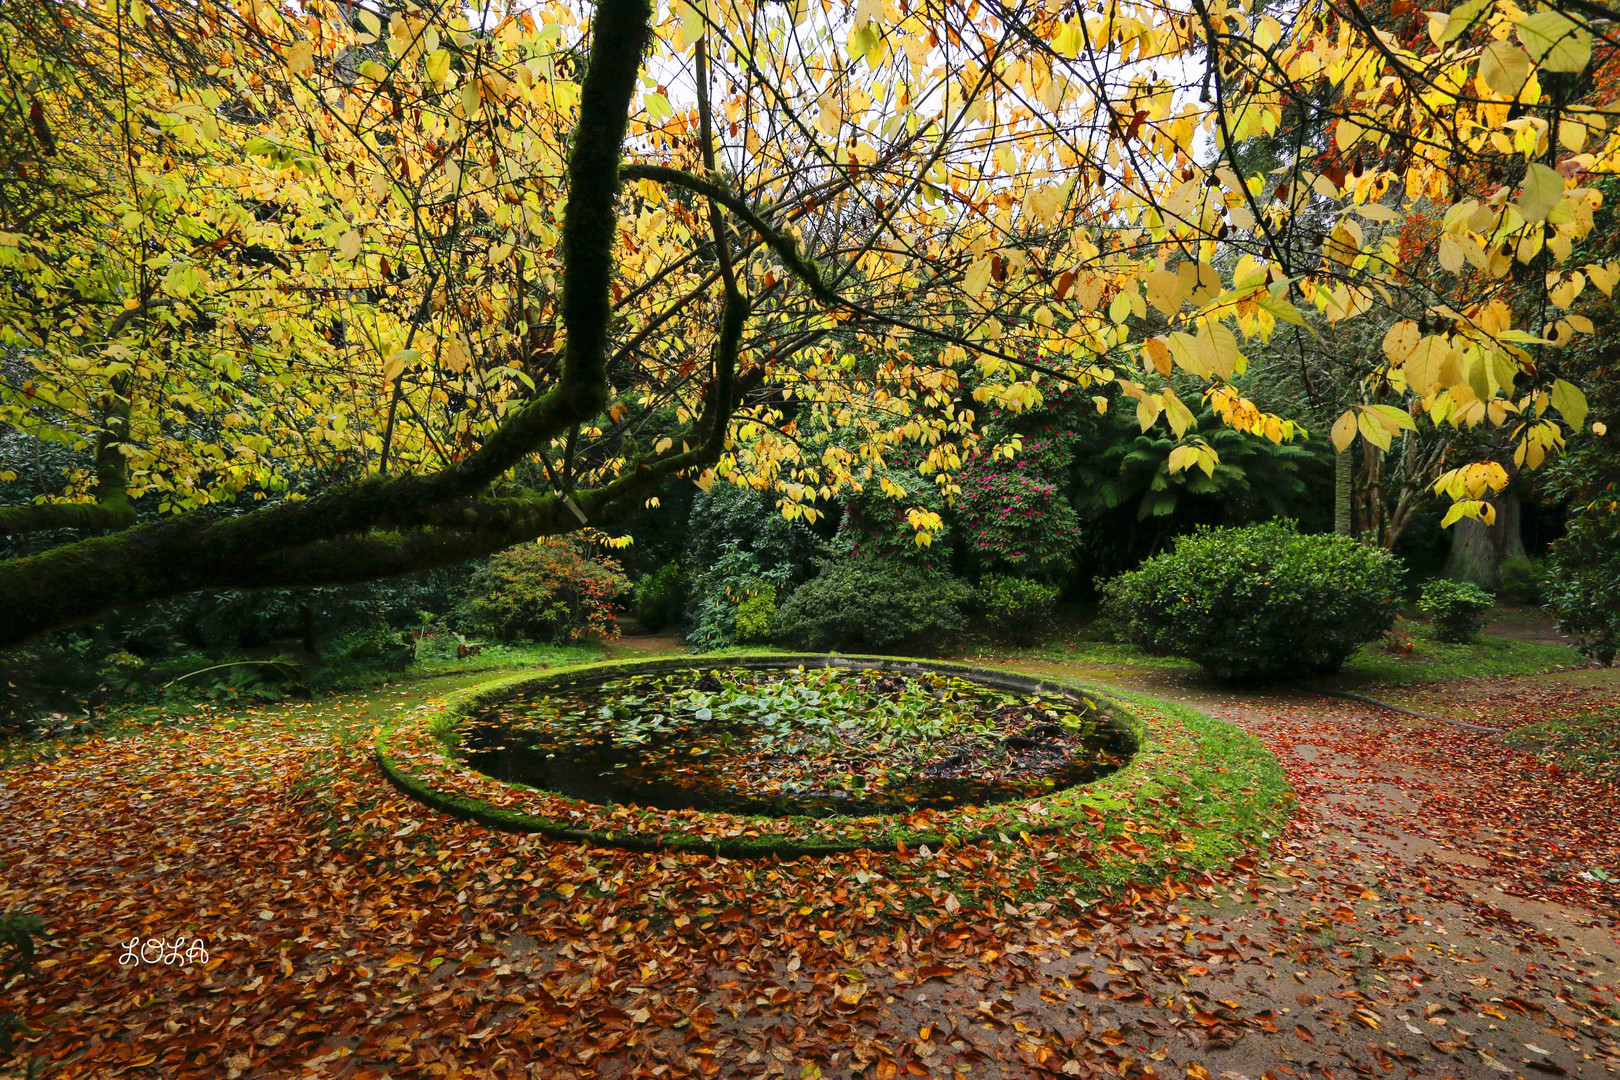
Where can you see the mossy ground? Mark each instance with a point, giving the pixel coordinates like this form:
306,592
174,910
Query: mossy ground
1429,661
1196,792
1588,743
1438,661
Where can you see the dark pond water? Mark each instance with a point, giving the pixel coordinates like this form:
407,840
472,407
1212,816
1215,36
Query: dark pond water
765,745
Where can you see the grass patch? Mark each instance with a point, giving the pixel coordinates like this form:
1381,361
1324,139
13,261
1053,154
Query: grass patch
1588,743
1429,660
1106,654
1438,661
1212,799
504,656
1195,792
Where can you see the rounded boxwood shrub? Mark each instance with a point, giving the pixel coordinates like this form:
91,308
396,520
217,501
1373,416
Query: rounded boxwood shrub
1260,602
1456,608
1016,609
871,601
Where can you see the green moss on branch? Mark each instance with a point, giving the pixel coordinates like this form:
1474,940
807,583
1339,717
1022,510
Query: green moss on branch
379,526
116,514
785,247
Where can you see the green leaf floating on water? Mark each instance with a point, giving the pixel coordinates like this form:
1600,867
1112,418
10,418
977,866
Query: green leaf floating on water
823,741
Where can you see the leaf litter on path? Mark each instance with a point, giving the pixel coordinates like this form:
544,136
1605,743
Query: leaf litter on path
1423,915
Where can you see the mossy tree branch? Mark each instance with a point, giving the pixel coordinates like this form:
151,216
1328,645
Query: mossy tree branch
41,517
353,533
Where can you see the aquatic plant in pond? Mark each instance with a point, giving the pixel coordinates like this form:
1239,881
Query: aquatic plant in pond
818,742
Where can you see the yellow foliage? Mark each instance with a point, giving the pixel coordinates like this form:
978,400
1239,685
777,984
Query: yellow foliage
300,245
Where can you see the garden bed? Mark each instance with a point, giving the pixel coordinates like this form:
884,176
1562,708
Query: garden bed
1126,745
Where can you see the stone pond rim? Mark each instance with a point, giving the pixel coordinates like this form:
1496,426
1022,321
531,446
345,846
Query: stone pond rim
416,751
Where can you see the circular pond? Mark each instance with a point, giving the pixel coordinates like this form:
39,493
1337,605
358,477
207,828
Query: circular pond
780,741
792,754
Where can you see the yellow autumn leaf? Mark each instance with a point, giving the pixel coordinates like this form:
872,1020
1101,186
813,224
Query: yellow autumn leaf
1344,431
1505,68
1543,190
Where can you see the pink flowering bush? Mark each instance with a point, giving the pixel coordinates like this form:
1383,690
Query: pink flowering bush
1015,517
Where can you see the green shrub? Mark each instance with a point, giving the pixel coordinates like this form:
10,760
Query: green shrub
431,643
660,596
1522,580
1016,609
372,644
552,590
876,520
1581,576
1261,602
727,516
719,593
755,613
872,602
1455,608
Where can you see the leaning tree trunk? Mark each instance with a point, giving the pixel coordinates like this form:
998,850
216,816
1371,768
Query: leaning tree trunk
1343,477
1479,550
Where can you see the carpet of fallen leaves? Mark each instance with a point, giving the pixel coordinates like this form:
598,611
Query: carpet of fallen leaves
1430,911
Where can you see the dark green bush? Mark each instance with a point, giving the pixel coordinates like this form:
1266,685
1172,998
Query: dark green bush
1261,602
1521,580
1582,572
875,603
1456,609
727,516
660,596
1016,609
376,644
553,590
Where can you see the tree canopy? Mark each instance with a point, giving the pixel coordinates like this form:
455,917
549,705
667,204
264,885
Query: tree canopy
429,280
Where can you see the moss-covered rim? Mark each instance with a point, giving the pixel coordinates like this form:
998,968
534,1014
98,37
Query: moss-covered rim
417,754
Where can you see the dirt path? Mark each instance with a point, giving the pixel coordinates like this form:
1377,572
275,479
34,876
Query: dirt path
1431,911
633,646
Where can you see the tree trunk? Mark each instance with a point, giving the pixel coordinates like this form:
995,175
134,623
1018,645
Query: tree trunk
381,526
1479,550
1343,476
